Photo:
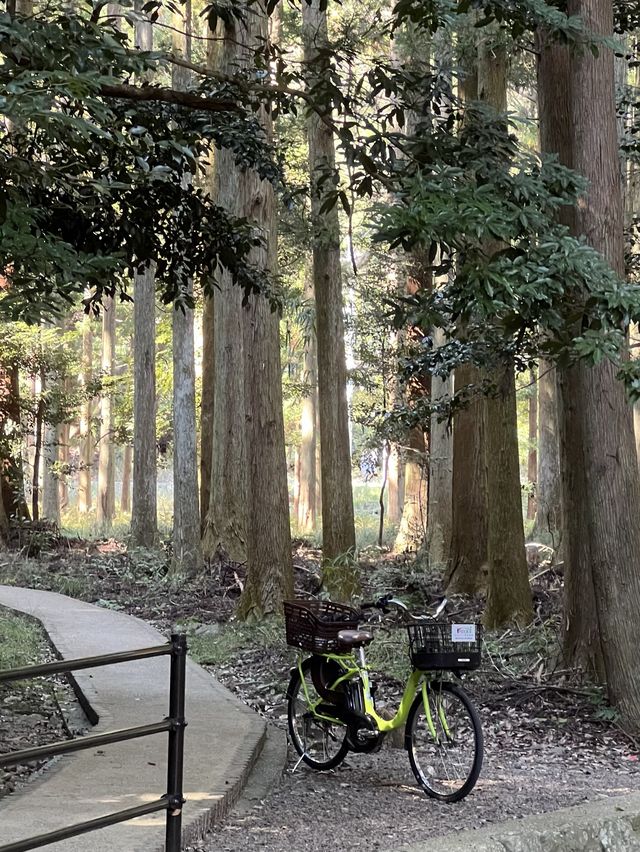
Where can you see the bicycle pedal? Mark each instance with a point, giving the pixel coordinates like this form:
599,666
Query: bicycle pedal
366,734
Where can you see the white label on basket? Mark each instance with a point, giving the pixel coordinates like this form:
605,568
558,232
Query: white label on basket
463,633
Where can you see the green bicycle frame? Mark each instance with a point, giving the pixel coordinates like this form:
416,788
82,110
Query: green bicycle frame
351,669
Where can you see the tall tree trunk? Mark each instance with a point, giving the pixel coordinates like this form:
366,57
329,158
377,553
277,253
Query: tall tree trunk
532,452
582,636
413,523
440,473
39,386
508,590
86,436
106,459
396,483
612,495
468,557
144,506
269,565
338,528
187,552
306,503
206,408
63,461
125,494
548,523
12,494
50,492
225,528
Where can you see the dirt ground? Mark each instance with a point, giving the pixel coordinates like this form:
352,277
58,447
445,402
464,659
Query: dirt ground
550,739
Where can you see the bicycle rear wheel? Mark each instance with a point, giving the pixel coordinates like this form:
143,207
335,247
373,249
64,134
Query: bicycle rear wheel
445,745
320,743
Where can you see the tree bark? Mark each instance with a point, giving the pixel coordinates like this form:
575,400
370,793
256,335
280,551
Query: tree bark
468,557
206,408
548,523
187,551
306,502
508,591
125,494
225,528
439,512
50,492
468,563
582,636
144,508
612,494
338,528
532,453
86,436
395,501
411,533
106,462
269,565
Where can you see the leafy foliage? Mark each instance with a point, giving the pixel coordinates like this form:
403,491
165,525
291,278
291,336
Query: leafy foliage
94,180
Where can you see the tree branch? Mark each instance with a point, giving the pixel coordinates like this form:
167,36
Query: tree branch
168,96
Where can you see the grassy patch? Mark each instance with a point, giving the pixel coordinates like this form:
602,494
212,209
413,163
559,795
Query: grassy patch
39,575
233,638
21,641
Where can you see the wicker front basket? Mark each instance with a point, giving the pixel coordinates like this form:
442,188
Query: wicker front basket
314,625
432,647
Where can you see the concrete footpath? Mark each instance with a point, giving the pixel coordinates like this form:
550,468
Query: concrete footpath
610,825
222,741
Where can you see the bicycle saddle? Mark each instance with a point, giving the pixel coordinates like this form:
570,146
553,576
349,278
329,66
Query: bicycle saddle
354,638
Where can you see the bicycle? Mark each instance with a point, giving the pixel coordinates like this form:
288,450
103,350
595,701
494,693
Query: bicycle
331,699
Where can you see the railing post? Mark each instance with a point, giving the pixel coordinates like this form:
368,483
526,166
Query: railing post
175,760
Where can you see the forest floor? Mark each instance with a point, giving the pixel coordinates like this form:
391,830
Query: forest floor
33,712
551,741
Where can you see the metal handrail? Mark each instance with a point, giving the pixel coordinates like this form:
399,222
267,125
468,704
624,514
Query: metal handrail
174,725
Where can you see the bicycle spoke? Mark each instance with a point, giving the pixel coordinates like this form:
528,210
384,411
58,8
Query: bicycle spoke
444,764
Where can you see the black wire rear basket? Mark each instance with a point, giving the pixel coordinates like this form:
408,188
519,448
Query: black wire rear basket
436,645
314,625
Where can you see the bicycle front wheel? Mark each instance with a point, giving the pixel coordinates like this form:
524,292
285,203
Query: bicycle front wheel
444,740
320,743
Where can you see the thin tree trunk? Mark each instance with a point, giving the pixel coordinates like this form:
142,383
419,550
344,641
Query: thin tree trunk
612,496
12,493
50,492
532,454
37,451
63,461
106,461
508,591
548,524
144,506
439,512
306,504
187,552
338,528
206,408
125,494
86,436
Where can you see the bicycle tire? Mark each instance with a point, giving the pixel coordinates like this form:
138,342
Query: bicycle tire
430,757
303,726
